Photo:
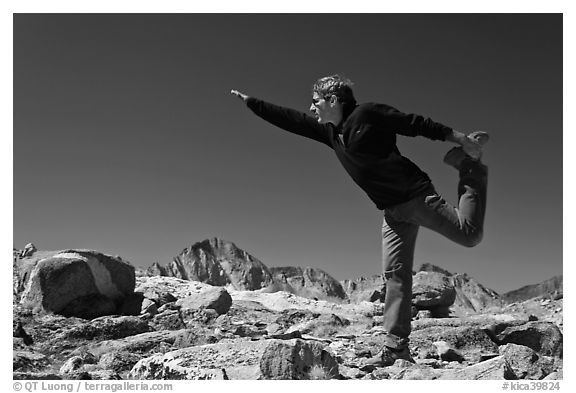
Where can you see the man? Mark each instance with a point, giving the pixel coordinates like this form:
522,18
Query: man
364,140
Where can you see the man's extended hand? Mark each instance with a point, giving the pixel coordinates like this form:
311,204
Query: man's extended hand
236,93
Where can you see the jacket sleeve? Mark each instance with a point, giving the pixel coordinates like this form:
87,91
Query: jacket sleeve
414,125
290,120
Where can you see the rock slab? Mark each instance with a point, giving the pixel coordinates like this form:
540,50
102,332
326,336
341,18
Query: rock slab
84,284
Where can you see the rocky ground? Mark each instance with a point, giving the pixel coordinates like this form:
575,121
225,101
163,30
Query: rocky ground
174,328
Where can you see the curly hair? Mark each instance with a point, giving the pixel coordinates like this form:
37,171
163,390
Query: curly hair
336,85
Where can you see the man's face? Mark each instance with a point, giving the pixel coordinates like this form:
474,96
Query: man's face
325,109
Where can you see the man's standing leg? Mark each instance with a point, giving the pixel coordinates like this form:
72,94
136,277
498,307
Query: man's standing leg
398,244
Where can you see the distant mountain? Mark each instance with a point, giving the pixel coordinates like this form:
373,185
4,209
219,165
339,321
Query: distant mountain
217,262
550,287
369,289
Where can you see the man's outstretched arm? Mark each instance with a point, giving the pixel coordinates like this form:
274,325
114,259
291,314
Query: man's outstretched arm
288,119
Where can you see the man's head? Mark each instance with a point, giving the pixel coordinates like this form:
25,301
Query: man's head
332,98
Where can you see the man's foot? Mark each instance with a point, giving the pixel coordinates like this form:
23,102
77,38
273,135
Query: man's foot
457,155
387,356
480,137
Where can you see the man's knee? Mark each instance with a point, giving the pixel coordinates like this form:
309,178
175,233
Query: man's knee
472,239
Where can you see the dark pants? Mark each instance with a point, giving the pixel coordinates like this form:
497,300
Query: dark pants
463,225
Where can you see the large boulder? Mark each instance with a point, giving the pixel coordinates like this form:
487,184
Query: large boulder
527,363
215,298
295,359
29,250
309,282
543,337
432,290
471,296
469,341
79,283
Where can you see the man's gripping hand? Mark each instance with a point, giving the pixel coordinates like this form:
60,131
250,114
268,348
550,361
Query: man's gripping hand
472,148
236,93
471,144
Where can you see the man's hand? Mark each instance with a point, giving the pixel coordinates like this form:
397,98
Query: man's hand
471,144
472,148
236,93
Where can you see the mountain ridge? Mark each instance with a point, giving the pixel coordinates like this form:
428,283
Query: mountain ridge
550,287
222,263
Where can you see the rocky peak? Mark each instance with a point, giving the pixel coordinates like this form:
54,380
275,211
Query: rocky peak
471,296
217,248
216,262
428,267
370,289
221,263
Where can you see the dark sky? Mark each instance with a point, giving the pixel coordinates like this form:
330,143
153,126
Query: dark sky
126,139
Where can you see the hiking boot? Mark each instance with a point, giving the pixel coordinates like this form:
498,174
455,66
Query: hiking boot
456,156
387,356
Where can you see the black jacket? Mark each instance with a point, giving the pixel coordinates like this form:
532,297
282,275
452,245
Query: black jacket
365,144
